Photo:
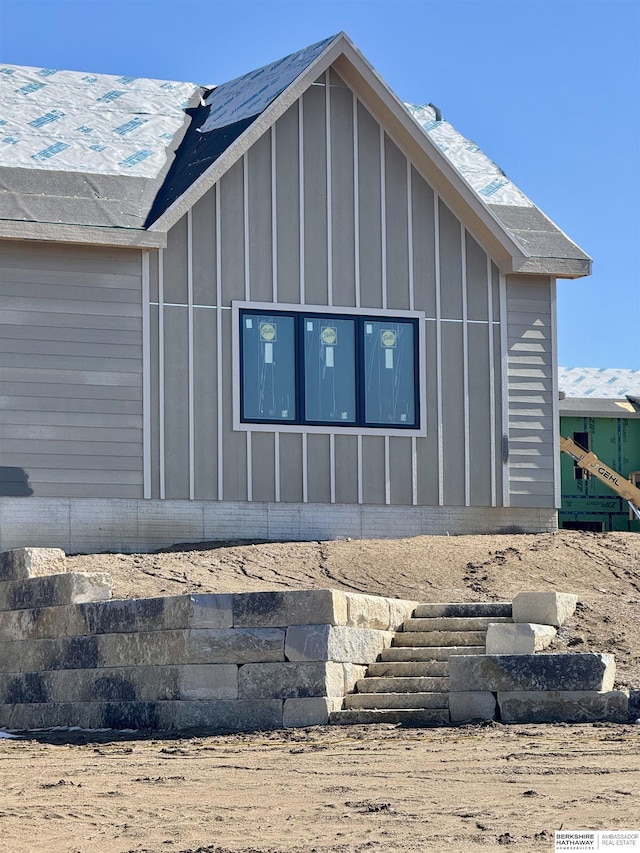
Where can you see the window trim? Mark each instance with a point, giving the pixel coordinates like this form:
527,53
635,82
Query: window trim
337,311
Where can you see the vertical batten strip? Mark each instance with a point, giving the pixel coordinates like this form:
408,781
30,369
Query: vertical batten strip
414,470
332,466
274,290
161,430
305,460
249,467
555,397
274,220
247,296
191,396
387,472
410,235
436,219
245,220
360,485
414,441
301,195
383,218
219,341
465,366
492,384
327,108
505,382
356,200
146,378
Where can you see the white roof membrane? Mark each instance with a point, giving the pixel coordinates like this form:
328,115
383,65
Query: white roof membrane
486,178
91,123
605,382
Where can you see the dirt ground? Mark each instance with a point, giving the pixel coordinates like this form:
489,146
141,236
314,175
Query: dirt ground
358,789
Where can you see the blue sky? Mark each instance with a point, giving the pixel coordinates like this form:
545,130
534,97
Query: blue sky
549,90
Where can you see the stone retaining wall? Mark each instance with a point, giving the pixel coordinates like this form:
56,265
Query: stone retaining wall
70,656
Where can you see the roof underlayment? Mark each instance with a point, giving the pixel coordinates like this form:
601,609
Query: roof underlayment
593,382
117,152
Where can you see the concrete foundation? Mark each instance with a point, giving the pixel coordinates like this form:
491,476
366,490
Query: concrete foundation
80,525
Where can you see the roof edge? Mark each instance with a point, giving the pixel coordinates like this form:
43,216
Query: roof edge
56,232
558,267
255,130
352,65
442,174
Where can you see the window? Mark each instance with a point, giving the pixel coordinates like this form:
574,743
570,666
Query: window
328,369
583,439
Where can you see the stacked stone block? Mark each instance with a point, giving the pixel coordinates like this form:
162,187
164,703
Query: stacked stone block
70,656
513,684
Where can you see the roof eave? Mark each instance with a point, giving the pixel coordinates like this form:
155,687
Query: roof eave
558,267
57,232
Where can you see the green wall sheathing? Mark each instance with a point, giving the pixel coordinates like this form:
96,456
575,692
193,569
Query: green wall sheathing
616,442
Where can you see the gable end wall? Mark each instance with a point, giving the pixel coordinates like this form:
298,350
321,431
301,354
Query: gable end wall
325,209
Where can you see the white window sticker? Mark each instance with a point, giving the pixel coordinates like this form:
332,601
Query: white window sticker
249,323
328,354
369,329
309,325
388,359
268,353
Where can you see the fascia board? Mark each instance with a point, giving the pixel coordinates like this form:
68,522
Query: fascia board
444,178
251,135
95,236
558,267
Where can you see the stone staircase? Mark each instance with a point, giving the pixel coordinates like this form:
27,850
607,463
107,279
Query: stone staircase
410,681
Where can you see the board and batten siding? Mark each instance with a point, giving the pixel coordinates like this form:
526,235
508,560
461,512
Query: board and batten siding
533,448
71,420
325,209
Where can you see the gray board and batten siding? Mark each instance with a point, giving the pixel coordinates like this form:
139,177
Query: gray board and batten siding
117,370
326,210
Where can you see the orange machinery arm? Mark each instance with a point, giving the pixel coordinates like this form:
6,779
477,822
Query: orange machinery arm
590,462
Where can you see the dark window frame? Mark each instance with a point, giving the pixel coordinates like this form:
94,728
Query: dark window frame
359,321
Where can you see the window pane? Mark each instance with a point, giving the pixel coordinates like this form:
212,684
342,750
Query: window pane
329,370
268,368
389,373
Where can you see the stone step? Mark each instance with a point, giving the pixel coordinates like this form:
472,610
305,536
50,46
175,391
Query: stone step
427,653
396,700
452,623
473,608
438,684
411,669
440,638
404,716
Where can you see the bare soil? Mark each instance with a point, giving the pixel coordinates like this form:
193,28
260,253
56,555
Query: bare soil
357,789
603,569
